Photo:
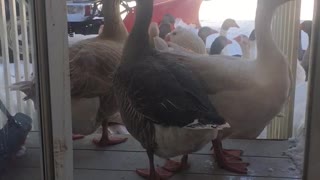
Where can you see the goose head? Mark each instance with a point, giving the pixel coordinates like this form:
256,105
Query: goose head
243,40
164,29
153,30
168,18
218,44
252,36
229,23
187,39
114,28
206,31
154,39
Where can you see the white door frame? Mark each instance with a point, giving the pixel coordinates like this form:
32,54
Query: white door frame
312,157
53,83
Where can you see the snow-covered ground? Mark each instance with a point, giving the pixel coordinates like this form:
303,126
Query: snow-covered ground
297,142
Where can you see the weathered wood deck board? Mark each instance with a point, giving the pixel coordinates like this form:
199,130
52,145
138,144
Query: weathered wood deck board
120,161
81,174
200,164
261,148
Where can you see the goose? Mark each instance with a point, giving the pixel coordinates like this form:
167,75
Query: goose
169,19
154,38
244,43
204,32
218,44
165,28
162,103
248,94
92,63
226,25
306,26
160,44
187,39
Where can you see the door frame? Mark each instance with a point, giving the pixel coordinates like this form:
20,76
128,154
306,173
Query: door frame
53,85
312,147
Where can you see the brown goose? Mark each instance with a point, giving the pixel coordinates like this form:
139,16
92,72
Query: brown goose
92,63
162,103
154,39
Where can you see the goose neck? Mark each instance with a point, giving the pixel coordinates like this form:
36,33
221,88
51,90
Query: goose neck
138,40
264,39
114,27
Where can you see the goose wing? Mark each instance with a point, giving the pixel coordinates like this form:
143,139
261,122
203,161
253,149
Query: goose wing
169,94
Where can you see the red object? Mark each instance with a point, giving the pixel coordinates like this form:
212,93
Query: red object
187,10
87,10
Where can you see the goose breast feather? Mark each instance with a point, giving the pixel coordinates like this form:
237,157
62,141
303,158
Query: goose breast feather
92,64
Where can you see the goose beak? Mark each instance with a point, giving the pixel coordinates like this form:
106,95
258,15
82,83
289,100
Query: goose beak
236,25
238,38
229,41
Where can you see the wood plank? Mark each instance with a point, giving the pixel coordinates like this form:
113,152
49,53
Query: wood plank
131,175
261,148
22,173
200,164
80,174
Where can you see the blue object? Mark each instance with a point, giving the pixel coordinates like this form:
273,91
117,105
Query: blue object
12,135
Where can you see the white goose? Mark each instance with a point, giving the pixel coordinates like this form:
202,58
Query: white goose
248,94
244,43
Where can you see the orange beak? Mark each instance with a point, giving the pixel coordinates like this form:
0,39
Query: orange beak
238,38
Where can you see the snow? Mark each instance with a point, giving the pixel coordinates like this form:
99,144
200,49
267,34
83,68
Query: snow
296,149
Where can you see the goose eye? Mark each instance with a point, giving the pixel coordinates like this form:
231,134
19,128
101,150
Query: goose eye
174,33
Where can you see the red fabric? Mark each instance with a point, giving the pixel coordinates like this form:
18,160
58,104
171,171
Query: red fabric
187,10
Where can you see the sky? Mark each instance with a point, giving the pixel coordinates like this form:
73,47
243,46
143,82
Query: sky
242,10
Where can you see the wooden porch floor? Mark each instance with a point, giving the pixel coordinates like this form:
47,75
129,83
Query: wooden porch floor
119,162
